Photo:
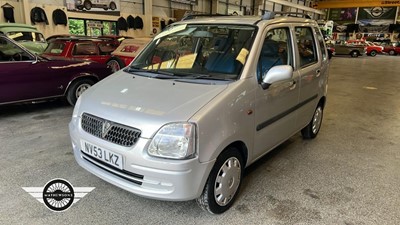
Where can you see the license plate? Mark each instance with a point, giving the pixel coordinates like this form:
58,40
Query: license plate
102,154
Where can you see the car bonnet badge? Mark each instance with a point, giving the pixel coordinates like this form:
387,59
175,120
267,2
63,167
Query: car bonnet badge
105,128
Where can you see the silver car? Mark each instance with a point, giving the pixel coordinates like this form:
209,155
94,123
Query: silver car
205,99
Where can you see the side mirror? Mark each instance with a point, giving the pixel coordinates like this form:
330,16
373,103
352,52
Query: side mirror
276,74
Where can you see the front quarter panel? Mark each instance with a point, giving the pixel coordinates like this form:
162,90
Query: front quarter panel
226,119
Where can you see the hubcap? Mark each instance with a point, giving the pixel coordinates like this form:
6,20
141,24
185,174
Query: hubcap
82,88
227,181
317,120
114,65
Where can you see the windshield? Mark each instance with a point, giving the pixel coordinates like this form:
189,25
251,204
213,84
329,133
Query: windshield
26,36
198,51
55,48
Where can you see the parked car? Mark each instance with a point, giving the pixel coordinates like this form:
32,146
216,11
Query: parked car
331,51
52,37
82,48
25,76
27,35
371,48
126,52
352,50
89,4
117,38
205,99
393,49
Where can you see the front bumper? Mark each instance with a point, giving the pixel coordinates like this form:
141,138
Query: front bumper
156,178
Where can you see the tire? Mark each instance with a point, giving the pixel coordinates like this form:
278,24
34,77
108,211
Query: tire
77,88
227,171
113,6
392,52
354,54
312,129
88,5
373,53
115,64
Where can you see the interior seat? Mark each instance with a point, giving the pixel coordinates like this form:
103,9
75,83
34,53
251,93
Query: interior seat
221,60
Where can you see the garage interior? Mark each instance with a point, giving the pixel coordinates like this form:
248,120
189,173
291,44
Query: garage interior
350,174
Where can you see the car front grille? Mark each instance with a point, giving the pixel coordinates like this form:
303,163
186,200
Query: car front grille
110,131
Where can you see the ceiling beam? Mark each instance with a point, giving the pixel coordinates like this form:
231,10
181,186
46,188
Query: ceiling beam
298,6
327,4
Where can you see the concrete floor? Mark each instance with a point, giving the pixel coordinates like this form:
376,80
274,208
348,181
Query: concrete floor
349,175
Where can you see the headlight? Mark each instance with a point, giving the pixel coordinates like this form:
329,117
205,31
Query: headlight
174,141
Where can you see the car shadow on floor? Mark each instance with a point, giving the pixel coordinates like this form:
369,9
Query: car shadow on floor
35,107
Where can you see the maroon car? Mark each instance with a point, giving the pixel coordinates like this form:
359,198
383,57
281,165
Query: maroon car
81,47
27,77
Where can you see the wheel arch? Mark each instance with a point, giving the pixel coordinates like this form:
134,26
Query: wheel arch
92,77
322,101
240,145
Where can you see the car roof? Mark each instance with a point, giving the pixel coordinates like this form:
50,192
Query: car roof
81,38
11,27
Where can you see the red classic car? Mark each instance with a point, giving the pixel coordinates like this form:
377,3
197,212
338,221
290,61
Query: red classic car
126,52
81,47
25,76
393,49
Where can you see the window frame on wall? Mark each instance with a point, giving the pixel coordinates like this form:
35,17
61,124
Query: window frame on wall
85,26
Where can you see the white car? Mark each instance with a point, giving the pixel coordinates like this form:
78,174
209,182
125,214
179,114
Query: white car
89,4
205,99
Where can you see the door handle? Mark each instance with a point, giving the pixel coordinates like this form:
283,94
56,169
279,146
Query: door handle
317,72
292,85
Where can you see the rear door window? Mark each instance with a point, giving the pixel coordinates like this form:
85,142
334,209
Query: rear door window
306,46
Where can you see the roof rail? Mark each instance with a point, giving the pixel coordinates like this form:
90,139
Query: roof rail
190,16
267,15
294,14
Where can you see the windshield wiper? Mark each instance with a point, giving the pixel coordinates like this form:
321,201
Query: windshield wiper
159,73
206,77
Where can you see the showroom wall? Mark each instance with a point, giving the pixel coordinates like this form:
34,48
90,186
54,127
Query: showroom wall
156,10
152,12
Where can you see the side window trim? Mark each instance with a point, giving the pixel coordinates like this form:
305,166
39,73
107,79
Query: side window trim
321,44
313,40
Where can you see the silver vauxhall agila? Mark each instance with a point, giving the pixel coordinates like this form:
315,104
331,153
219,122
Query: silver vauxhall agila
206,98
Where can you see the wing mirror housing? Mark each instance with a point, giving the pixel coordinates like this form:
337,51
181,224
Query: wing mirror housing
276,74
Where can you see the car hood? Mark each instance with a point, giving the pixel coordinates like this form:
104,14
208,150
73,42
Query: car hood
146,103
